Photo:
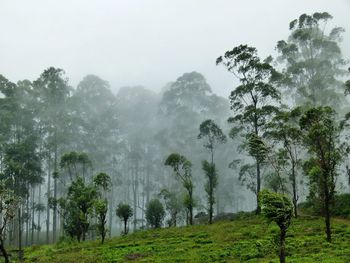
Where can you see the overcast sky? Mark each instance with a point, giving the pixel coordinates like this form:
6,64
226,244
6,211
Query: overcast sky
145,42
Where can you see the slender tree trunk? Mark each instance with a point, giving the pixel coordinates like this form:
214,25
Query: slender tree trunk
20,252
294,186
33,214
27,220
110,212
39,214
48,199
54,219
191,207
125,224
282,245
4,252
328,218
258,185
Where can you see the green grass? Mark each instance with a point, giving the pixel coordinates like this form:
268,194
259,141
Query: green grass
248,240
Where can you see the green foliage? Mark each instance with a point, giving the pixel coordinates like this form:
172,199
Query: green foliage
124,212
101,208
155,213
253,101
322,141
313,61
173,204
210,186
182,169
276,207
212,132
102,180
77,207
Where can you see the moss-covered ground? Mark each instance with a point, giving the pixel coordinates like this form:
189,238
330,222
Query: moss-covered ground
245,240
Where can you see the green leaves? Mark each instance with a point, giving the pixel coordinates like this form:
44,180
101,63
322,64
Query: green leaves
276,207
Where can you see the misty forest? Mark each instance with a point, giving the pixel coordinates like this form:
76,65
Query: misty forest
261,174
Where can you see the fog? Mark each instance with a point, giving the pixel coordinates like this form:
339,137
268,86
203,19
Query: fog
149,43
122,103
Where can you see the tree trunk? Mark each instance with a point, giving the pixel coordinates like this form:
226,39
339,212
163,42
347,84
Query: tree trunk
4,252
282,245
191,208
295,196
258,185
27,220
39,214
125,224
328,220
48,198
20,252
54,219
33,214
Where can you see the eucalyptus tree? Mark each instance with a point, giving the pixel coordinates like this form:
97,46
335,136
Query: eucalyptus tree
53,89
321,137
94,112
9,203
213,135
285,131
182,169
20,164
254,100
313,62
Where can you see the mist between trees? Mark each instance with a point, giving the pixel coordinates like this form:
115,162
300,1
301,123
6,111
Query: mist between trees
71,155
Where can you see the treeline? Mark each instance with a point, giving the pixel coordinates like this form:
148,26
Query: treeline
71,160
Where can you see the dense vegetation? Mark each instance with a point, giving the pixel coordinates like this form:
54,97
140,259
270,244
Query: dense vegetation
81,163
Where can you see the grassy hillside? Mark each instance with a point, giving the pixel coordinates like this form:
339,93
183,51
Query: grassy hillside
248,240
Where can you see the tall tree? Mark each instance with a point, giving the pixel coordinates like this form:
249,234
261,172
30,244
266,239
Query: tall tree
54,91
313,62
321,137
213,135
253,102
182,170
285,131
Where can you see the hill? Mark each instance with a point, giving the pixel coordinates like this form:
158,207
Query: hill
243,240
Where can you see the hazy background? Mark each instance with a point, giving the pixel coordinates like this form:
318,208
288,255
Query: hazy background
131,42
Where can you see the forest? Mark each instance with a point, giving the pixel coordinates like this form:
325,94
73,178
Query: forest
81,164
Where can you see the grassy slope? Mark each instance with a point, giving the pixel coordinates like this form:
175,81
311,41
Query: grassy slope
249,240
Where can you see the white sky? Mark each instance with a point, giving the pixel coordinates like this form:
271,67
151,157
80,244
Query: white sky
145,42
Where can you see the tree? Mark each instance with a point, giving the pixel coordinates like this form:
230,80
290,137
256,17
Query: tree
252,101
173,204
155,213
312,60
277,208
211,174
284,129
102,182
9,203
101,208
321,137
213,135
124,212
182,170
77,207
52,87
